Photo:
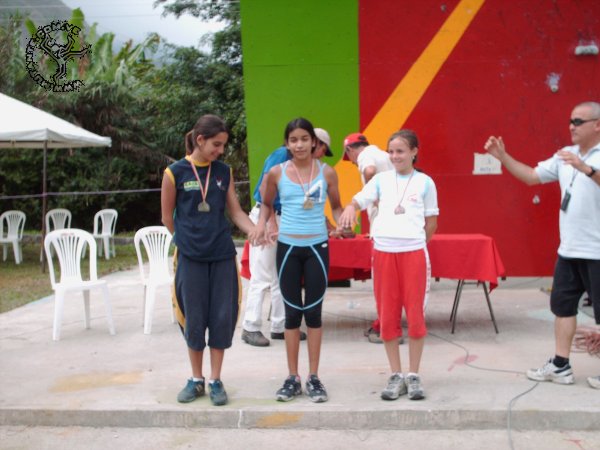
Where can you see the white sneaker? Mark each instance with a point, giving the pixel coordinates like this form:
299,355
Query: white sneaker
395,388
415,390
549,372
594,382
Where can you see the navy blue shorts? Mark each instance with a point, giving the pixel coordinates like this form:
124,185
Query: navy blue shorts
573,277
208,296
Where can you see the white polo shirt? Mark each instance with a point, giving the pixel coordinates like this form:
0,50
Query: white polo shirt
580,223
372,156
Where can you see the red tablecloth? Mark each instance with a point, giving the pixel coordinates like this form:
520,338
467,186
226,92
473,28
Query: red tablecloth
465,257
456,256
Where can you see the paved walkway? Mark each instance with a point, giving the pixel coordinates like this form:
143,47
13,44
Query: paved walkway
472,378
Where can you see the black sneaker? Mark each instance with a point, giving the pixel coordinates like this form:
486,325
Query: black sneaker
281,336
315,389
291,388
191,391
217,393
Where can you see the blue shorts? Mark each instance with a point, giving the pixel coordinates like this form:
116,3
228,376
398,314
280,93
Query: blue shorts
208,296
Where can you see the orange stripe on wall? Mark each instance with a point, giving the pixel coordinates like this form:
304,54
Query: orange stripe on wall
406,96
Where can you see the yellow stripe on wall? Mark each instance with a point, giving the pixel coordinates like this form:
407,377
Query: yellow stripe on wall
406,96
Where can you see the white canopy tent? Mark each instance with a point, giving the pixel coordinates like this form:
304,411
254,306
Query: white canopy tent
24,126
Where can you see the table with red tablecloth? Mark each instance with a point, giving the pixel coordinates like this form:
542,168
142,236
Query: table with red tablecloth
463,257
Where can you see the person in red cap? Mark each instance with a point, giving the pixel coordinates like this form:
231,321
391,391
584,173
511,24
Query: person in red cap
370,160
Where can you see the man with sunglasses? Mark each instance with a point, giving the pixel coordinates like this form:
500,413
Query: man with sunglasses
577,270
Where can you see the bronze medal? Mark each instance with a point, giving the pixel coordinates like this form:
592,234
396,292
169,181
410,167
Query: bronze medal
308,204
203,206
399,210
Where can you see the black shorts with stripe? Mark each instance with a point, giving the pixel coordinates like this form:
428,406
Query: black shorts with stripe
208,296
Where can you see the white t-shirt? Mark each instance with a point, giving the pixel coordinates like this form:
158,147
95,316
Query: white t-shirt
372,156
393,232
580,223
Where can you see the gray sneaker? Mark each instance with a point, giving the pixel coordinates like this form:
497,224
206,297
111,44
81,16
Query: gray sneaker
415,390
255,338
594,382
549,372
395,388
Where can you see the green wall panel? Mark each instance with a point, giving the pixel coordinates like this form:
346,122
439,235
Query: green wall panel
300,59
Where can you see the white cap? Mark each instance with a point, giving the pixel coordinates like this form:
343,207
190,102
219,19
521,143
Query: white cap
323,136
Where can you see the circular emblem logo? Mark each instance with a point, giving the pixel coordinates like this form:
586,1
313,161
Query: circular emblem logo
49,52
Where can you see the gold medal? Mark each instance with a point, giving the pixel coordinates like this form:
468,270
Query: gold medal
203,207
308,202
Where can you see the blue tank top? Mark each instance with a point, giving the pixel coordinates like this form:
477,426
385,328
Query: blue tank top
294,218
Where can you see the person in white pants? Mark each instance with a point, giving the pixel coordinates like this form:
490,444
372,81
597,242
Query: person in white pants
263,279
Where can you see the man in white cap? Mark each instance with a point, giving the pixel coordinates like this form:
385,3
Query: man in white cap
370,160
323,144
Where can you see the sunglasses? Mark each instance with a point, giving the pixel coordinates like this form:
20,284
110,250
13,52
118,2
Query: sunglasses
577,121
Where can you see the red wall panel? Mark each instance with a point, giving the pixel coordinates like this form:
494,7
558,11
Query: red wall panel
493,82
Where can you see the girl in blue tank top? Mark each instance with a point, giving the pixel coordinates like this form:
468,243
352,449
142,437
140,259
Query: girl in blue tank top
303,185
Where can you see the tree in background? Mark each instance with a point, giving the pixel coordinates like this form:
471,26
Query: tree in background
146,107
222,79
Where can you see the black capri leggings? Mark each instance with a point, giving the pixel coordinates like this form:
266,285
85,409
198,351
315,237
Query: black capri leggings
296,265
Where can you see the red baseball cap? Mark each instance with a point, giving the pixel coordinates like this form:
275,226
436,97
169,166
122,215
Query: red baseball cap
354,138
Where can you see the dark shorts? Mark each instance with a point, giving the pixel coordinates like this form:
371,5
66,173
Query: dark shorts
572,278
208,297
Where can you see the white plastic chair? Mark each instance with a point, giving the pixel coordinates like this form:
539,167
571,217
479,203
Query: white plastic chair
68,244
15,222
57,219
105,222
156,242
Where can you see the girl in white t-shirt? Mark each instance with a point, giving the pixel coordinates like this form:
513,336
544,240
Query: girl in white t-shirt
406,221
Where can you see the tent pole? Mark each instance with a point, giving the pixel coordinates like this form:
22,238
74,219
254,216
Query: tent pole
44,208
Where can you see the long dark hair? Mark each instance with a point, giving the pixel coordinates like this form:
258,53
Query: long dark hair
208,126
302,123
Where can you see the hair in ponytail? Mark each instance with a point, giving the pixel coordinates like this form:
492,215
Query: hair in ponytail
409,136
207,126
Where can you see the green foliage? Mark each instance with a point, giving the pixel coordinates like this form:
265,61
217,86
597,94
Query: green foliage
12,70
146,107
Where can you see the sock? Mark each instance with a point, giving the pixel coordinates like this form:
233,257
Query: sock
195,380
412,373
560,361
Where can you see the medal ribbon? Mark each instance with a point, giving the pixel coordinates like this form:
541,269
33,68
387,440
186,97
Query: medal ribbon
203,190
405,187
312,167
